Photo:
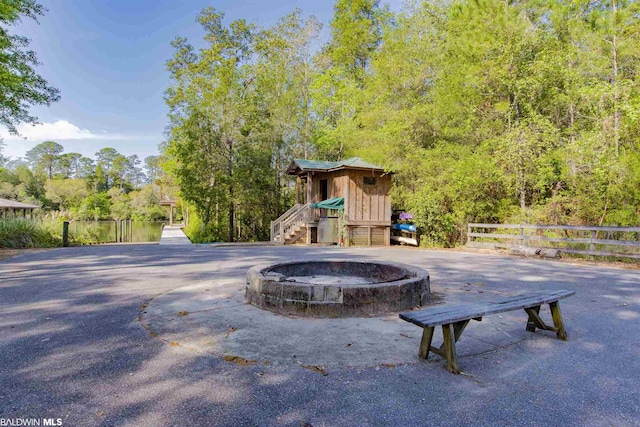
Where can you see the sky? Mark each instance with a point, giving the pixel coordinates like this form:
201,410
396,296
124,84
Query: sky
108,58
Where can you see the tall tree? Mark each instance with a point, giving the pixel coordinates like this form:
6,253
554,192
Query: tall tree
207,110
45,157
109,159
20,86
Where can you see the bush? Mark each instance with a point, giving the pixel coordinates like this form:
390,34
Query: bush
22,233
85,236
198,232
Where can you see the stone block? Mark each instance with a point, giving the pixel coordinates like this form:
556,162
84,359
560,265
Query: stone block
296,292
324,310
381,307
271,303
334,294
271,288
317,293
352,310
252,297
294,308
357,295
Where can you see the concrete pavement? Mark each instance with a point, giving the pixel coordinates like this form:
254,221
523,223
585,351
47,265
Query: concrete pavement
76,344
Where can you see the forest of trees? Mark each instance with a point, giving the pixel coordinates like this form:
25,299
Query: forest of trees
112,186
486,110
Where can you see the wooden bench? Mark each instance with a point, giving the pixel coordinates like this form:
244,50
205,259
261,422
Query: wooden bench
455,318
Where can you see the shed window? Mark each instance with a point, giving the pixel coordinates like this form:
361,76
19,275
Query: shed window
369,180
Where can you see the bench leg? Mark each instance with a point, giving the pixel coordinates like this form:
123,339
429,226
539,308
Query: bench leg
425,343
450,348
531,324
557,320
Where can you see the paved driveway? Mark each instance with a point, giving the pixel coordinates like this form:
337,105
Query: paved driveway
71,347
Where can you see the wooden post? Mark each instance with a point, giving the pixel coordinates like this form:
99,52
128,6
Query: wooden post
65,234
531,324
170,215
115,225
557,320
425,343
450,348
521,240
298,189
592,246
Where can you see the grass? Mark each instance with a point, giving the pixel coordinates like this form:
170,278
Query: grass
24,233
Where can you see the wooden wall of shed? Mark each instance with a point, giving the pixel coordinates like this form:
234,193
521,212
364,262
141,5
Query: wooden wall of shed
368,203
336,185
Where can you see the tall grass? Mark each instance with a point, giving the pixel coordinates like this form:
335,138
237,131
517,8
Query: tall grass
25,233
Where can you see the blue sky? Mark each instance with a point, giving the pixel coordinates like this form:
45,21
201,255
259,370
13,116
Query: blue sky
108,57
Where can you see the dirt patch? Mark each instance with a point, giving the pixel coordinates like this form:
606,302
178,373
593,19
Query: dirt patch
8,253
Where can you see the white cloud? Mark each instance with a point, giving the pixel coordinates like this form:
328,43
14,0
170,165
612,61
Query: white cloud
56,131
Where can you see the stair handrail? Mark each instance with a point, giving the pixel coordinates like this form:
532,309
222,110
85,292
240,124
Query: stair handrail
299,217
276,225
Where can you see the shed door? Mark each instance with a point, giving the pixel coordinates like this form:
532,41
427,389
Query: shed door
324,189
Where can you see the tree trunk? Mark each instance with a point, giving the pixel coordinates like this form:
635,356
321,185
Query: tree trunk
616,95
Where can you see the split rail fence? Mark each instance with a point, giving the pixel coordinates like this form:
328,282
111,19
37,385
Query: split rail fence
618,242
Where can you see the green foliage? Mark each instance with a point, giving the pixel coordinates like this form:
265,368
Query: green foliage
199,232
87,235
20,85
94,207
487,111
20,233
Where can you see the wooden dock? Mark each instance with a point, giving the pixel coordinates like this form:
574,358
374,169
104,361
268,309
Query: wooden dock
174,236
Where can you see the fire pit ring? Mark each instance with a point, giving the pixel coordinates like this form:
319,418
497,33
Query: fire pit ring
337,288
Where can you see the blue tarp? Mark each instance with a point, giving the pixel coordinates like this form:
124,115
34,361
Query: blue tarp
335,203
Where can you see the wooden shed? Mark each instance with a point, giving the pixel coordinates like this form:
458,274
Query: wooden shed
352,194
13,209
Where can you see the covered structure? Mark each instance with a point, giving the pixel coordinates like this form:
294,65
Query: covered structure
337,202
13,209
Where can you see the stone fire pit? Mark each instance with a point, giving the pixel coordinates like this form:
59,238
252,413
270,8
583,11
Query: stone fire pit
337,288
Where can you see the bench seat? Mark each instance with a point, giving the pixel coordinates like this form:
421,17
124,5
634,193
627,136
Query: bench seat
454,319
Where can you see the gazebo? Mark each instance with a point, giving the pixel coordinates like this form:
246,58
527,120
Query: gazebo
10,208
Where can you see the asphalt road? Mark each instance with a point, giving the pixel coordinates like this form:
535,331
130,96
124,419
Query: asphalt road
71,348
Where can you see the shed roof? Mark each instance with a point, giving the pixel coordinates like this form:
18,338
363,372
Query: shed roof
298,166
12,204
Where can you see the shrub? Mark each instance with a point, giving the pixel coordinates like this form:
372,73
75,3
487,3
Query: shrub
23,233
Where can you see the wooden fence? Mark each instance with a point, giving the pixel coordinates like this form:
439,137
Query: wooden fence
619,242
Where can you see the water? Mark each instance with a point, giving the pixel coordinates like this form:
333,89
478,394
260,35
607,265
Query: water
140,231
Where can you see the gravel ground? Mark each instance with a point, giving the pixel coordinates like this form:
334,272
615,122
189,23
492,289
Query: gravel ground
72,347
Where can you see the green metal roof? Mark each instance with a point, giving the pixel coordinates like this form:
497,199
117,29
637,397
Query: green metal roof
319,165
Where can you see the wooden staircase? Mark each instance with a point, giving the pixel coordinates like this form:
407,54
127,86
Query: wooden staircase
291,226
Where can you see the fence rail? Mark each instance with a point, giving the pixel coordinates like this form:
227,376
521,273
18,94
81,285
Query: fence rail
619,242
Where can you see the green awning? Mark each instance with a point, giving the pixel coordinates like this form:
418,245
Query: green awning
335,203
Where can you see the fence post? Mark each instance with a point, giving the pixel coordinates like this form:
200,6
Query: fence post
592,246
522,236
65,234
468,233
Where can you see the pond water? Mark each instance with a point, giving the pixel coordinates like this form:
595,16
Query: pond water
123,231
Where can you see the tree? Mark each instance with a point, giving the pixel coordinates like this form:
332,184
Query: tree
45,157
281,99
20,86
207,113
66,193
152,166
106,160
3,159
69,164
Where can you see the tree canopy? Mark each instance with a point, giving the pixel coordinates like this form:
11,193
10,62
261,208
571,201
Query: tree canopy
487,111
20,85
